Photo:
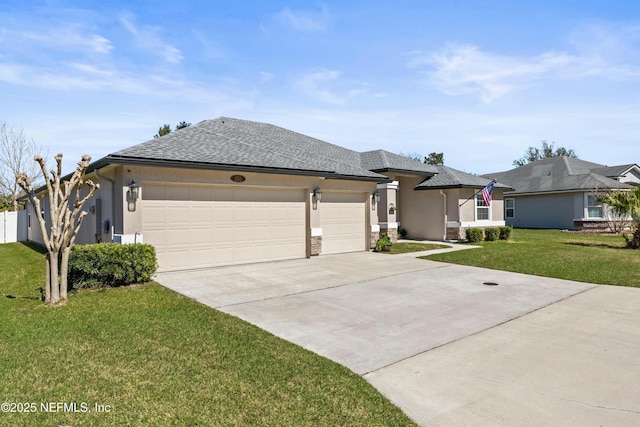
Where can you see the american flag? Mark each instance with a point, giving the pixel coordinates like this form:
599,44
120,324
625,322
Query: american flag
486,193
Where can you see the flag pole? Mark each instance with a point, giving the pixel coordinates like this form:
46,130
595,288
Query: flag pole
477,192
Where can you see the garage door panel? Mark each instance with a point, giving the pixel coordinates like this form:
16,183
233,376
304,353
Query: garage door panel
343,221
223,226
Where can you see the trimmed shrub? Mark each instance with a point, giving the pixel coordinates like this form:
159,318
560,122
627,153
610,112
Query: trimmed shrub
110,264
474,235
491,234
402,232
505,233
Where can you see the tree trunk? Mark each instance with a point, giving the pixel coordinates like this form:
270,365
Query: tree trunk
54,279
47,285
64,271
635,240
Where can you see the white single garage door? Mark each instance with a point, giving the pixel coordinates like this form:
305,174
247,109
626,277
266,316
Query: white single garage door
343,222
204,226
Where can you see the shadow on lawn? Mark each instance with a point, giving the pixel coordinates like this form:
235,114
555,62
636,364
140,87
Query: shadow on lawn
595,245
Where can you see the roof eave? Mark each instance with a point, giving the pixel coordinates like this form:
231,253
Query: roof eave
407,171
140,161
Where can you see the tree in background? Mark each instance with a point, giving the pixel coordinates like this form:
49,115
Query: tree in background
436,159
65,213
16,150
182,125
166,129
623,203
162,131
546,151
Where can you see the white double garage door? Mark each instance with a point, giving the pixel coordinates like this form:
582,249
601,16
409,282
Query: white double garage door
204,226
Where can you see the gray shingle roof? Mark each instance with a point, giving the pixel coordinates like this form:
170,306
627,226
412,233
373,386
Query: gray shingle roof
382,161
232,142
452,178
613,171
556,174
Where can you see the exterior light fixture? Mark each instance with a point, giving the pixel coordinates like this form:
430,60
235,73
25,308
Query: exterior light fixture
375,197
134,190
317,194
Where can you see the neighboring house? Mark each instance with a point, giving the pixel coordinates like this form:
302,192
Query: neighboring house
229,191
562,192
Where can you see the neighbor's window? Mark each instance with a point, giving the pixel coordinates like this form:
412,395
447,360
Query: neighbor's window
509,208
482,210
594,209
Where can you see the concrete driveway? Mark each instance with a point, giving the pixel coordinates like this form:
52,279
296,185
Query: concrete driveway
443,345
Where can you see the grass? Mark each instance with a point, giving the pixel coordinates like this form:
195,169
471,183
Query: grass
153,357
601,259
406,247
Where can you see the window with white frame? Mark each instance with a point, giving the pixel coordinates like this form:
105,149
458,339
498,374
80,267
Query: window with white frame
509,208
482,210
594,208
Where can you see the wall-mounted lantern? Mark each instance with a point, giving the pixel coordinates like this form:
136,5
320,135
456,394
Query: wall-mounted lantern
392,208
317,194
132,195
375,197
134,190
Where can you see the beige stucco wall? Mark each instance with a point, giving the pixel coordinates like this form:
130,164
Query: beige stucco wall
130,222
424,213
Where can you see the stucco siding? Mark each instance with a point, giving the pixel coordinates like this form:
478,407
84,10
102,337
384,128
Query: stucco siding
546,211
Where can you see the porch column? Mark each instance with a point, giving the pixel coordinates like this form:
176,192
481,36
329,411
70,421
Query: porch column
387,209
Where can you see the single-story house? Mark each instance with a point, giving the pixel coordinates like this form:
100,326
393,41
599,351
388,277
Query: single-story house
230,191
562,192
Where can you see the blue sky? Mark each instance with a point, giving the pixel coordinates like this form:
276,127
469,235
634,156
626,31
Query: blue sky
478,80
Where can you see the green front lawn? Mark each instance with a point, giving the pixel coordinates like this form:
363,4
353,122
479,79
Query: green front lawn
148,356
602,259
406,247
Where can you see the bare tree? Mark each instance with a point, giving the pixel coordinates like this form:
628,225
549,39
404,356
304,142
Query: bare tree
65,210
16,150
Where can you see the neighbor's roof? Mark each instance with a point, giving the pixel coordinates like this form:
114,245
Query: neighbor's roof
615,171
384,161
558,174
453,178
233,144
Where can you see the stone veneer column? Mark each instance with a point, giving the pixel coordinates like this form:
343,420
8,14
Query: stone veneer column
316,241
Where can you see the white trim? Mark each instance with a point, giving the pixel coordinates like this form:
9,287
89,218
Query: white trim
481,223
389,186
388,225
513,208
316,232
375,228
475,211
585,211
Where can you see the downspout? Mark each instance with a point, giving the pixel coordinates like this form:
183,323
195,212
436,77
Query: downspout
446,219
113,198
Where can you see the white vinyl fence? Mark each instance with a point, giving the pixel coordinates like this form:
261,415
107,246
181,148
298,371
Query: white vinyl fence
8,227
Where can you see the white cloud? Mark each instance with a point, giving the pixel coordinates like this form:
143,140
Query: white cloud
465,69
304,20
147,38
320,85
468,70
70,37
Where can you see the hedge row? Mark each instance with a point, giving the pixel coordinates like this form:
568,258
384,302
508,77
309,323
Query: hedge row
110,264
489,234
